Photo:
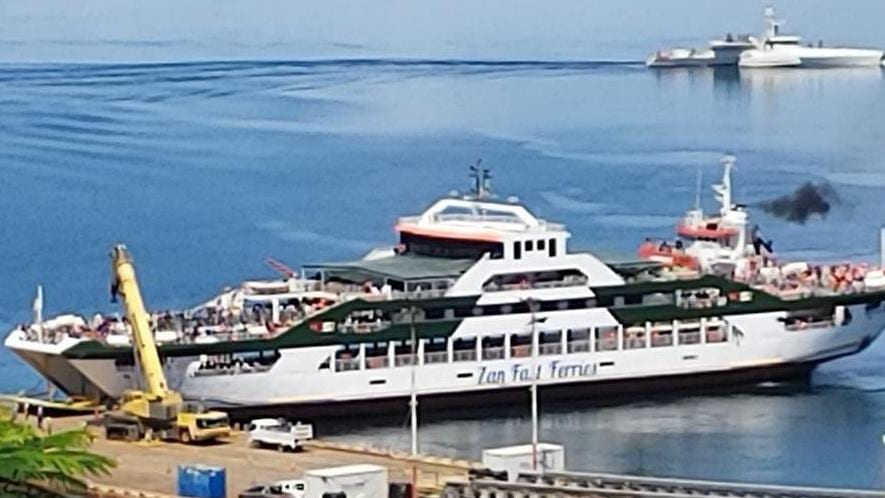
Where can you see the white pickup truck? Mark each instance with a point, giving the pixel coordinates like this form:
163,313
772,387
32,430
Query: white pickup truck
279,433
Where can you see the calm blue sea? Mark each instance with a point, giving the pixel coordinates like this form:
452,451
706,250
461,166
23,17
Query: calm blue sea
209,136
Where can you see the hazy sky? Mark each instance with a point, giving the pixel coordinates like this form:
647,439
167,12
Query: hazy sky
170,30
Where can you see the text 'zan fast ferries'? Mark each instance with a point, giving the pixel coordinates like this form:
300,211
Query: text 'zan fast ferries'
494,300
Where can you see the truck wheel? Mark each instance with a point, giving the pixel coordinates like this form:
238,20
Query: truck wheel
185,436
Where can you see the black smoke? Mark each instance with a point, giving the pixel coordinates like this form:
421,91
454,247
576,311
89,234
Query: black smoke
808,200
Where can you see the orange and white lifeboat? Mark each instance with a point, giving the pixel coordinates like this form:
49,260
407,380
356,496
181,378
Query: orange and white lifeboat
707,229
667,254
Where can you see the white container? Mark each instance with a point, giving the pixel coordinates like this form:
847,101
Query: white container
516,459
355,481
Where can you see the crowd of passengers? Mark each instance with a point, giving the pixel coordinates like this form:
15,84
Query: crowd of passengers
806,279
188,325
229,365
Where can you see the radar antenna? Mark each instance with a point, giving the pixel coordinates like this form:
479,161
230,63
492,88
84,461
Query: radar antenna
482,187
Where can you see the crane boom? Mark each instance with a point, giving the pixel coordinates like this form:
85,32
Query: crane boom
126,284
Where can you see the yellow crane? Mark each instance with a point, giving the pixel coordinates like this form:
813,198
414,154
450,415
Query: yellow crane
156,411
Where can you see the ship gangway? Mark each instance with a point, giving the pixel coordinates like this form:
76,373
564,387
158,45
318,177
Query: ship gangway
601,485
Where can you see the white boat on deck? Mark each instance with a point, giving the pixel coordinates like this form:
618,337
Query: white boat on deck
724,52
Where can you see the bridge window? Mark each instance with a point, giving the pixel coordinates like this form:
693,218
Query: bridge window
517,250
542,245
529,246
551,248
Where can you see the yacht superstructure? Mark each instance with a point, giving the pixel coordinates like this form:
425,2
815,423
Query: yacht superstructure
775,49
479,298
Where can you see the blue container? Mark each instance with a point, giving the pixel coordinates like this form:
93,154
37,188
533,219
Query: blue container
201,481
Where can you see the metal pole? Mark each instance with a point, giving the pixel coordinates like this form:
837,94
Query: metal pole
413,402
882,247
534,388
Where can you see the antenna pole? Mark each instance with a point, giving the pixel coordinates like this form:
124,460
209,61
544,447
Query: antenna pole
413,401
882,247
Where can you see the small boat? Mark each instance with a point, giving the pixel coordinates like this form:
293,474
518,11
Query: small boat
724,52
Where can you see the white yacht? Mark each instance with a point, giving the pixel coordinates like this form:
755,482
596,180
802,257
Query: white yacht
774,49
478,300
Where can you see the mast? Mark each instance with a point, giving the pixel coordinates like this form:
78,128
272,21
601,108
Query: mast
772,25
481,180
723,190
38,312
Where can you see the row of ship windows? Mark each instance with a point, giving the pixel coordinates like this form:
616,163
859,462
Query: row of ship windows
500,347
372,320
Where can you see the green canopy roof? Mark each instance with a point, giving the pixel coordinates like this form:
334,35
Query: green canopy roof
407,267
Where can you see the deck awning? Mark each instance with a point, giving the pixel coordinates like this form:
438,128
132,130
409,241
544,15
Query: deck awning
403,268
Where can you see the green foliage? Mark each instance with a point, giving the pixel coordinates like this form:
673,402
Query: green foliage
33,464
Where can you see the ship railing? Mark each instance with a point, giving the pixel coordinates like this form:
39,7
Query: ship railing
373,362
687,337
347,364
607,344
550,349
521,351
493,353
230,370
436,357
464,355
554,284
579,346
403,360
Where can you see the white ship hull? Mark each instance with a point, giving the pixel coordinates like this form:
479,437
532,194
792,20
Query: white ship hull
756,342
811,57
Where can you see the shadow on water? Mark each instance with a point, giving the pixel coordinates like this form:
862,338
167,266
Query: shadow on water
344,422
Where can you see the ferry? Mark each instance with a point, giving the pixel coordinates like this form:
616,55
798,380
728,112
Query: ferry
479,300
